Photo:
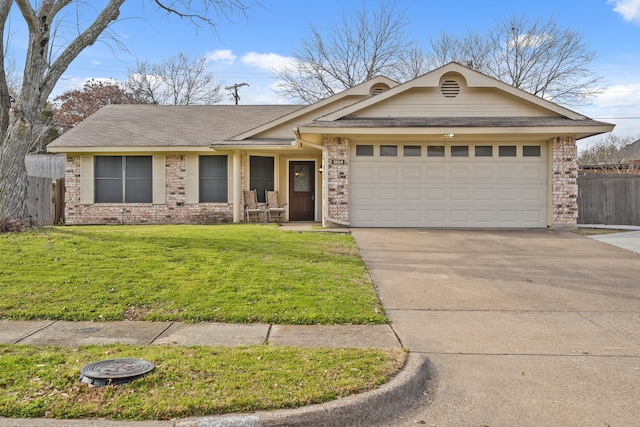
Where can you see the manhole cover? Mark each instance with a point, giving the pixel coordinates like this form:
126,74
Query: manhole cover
115,371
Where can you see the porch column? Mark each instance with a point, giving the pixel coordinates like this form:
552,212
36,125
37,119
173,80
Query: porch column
237,187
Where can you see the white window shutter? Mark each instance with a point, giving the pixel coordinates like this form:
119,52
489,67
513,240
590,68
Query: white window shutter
192,180
159,185
86,180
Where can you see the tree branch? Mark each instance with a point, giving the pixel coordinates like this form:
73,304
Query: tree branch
109,14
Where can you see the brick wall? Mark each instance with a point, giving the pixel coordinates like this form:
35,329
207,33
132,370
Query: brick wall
174,211
564,181
337,173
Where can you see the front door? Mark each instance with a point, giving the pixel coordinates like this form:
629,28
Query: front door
302,191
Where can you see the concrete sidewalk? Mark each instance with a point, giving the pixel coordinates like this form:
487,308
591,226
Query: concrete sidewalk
74,334
365,409
629,240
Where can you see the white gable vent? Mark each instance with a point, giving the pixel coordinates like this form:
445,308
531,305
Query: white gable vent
378,88
449,88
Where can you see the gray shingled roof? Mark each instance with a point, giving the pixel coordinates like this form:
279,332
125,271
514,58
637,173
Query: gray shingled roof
427,122
168,125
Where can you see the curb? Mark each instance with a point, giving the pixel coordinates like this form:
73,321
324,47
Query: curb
365,409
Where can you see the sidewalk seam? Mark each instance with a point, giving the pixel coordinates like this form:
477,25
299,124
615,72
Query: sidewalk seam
35,332
268,335
161,333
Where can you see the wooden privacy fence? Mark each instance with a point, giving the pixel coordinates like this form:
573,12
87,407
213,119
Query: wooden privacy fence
45,197
45,200
609,199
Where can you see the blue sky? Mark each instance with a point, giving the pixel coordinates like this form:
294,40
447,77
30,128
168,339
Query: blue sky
244,50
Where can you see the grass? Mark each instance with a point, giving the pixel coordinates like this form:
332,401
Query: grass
231,273
596,231
38,382
239,273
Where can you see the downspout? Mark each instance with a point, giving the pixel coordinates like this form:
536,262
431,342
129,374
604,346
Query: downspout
325,192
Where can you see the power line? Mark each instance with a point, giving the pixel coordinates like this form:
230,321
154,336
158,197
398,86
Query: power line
616,118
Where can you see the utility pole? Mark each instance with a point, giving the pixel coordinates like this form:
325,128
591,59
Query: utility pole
234,90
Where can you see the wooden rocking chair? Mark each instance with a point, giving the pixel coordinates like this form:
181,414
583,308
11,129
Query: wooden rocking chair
253,209
273,207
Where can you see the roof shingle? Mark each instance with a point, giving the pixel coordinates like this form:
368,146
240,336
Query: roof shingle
168,125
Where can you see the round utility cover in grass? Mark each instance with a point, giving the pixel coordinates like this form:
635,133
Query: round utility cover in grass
114,371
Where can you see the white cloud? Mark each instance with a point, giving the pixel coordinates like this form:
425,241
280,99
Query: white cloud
629,9
95,62
267,61
225,56
622,96
618,104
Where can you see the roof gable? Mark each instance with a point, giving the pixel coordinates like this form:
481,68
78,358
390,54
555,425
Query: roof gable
326,106
477,96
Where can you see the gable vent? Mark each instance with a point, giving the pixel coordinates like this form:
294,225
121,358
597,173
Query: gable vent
450,89
377,91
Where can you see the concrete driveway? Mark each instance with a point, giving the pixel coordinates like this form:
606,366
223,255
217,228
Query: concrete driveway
522,327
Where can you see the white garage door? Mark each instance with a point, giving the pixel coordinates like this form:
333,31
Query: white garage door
466,185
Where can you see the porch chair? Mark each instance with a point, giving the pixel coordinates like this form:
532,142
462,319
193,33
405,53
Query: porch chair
273,207
253,209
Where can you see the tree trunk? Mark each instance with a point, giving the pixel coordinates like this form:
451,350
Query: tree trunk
22,126
13,172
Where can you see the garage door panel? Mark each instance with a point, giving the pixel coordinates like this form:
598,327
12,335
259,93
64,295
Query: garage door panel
362,193
362,172
388,172
508,216
388,193
364,216
533,172
486,217
532,194
507,170
483,194
436,217
412,216
412,173
531,216
459,172
448,192
484,172
388,215
412,194
460,216
507,194
435,171
436,193
459,194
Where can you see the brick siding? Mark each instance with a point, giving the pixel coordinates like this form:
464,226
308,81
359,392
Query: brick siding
337,173
564,181
175,210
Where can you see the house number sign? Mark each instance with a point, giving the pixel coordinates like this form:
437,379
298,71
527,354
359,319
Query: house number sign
338,162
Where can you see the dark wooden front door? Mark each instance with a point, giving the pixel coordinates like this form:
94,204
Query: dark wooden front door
302,191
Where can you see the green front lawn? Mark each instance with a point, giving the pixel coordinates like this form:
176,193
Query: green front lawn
230,273
37,382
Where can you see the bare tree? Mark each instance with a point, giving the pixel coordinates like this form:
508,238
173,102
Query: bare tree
361,46
608,150
179,80
46,60
536,56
